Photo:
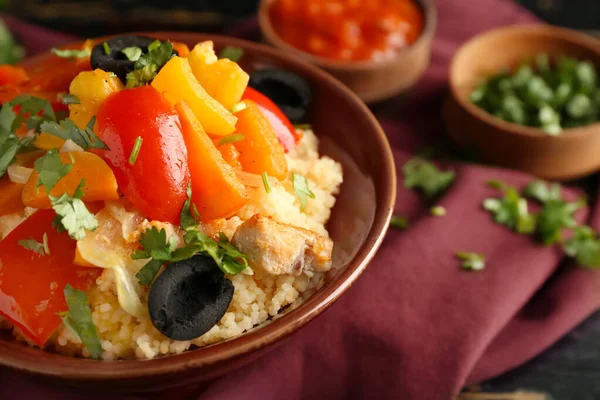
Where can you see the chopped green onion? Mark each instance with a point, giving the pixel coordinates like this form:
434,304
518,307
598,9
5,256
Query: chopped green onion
154,45
438,211
232,53
266,182
106,48
238,107
136,150
236,137
398,222
70,53
471,261
81,320
67,99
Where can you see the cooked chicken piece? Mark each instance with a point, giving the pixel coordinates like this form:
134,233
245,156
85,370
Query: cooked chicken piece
278,248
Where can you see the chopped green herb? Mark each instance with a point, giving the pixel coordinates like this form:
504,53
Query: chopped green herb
135,152
45,243
471,261
424,175
155,245
555,216
235,137
302,190
398,222
511,211
70,53
232,53
67,99
496,184
189,214
10,144
584,246
237,107
148,272
75,218
154,45
65,317
50,170
438,211
106,48
66,129
33,245
147,65
266,182
132,53
542,191
81,321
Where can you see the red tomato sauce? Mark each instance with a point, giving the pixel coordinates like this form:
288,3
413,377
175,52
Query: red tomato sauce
348,30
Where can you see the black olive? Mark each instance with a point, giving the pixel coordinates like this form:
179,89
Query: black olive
189,298
116,61
289,91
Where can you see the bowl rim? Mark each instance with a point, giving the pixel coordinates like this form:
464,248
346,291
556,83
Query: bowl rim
541,29
80,369
426,36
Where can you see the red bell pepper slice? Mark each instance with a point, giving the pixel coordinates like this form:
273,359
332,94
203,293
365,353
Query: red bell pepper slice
32,284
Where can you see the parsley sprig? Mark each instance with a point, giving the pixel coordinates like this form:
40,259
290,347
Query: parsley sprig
422,174
147,65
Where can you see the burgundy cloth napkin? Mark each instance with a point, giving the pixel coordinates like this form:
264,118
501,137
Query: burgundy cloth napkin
415,326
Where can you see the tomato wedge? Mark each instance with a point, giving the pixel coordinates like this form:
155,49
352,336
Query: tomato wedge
284,129
32,284
156,183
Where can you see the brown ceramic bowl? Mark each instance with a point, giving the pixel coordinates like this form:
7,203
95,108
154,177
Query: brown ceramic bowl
350,134
570,155
372,81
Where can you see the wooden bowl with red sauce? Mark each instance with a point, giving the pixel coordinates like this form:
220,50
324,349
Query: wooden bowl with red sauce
379,50
348,133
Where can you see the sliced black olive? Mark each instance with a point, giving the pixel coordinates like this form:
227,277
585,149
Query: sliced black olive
289,91
116,61
189,298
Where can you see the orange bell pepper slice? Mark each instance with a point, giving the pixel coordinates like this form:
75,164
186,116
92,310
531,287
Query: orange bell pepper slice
32,297
100,181
260,151
217,192
10,197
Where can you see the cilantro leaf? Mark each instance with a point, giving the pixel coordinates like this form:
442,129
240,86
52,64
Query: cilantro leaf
50,170
74,215
398,222
186,218
10,144
302,190
10,52
232,53
132,53
66,129
147,273
553,218
511,211
71,53
33,245
81,321
542,191
155,245
471,261
142,76
584,246
424,175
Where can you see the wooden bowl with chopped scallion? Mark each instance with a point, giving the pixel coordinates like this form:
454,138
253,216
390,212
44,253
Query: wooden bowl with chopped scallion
527,97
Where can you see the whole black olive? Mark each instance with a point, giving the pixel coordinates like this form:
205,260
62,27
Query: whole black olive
289,91
115,61
189,298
